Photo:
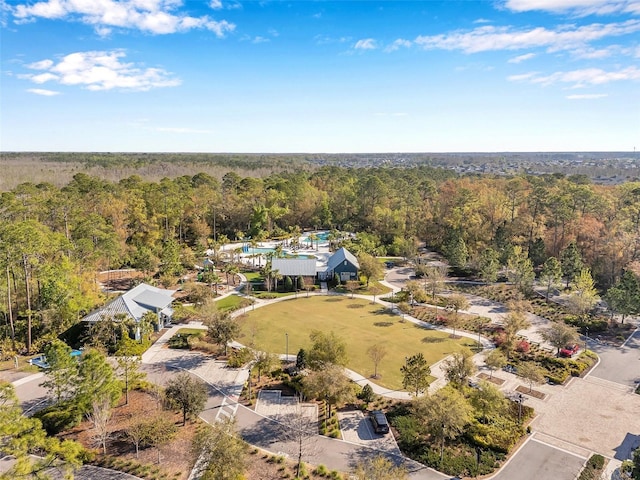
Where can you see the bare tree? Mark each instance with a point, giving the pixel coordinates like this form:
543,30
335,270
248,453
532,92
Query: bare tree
352,286
100,417
376,353
136,434
301,428
434,277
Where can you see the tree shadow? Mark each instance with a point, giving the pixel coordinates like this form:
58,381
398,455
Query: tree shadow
433,340
383,324
626,448
382,311
355,305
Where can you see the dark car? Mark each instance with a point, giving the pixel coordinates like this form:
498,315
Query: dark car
379,422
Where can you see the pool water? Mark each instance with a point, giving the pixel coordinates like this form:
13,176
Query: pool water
322,237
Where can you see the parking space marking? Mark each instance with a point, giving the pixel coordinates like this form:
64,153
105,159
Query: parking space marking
227,410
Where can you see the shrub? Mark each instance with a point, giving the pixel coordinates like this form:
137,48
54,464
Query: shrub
523,346
593,468
60,417
596,462
321,470
366,394
239,358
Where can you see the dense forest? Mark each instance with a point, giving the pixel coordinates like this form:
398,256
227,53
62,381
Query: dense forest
53,240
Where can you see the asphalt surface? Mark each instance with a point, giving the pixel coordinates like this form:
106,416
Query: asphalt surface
538,461
620,365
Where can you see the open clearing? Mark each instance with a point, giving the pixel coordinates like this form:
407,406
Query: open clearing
359,322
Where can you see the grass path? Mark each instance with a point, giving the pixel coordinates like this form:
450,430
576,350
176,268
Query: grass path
359,322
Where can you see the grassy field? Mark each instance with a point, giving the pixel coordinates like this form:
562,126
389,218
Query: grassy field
360,323
230,302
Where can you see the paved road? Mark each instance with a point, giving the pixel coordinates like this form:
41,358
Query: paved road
620,365
538,461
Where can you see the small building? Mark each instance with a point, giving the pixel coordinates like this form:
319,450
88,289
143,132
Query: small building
343,264
135,303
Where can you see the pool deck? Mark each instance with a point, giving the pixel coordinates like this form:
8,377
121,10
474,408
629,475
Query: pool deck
321,253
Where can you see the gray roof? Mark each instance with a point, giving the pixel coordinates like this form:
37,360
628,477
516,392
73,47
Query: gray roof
294,266
340,256
134,303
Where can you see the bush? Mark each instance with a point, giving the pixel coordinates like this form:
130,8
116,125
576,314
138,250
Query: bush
596,462
321,470
239,358
593,468
60,417
594,325
523,346
366,394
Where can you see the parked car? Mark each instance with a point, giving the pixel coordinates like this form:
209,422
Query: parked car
379,422
569,350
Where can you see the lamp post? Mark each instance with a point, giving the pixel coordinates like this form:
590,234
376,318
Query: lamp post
520,400
286,336
586,339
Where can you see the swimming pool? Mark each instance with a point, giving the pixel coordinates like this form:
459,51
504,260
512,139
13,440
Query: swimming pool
321,236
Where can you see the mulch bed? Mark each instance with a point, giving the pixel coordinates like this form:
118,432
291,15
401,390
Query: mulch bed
531,393
494,380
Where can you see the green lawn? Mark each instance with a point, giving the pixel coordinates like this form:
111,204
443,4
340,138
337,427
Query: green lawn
252,276
360,323
230,302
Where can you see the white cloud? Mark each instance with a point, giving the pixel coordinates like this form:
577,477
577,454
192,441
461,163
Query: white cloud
397,44
215,4
95,70
41,65
326,40
42,91
365,44
154,16
587,96
180,130
580,78
482,20
522,58
41,78
260,39
488,38
576,7
522,77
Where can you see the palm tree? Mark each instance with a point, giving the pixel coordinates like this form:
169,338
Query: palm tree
233,270
275,274
313,238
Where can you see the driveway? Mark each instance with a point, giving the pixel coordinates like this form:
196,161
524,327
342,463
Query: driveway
618,364
356,428
539,461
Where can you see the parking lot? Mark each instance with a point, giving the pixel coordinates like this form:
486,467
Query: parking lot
356,428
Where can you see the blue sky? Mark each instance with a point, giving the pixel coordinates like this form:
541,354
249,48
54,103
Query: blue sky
319,76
